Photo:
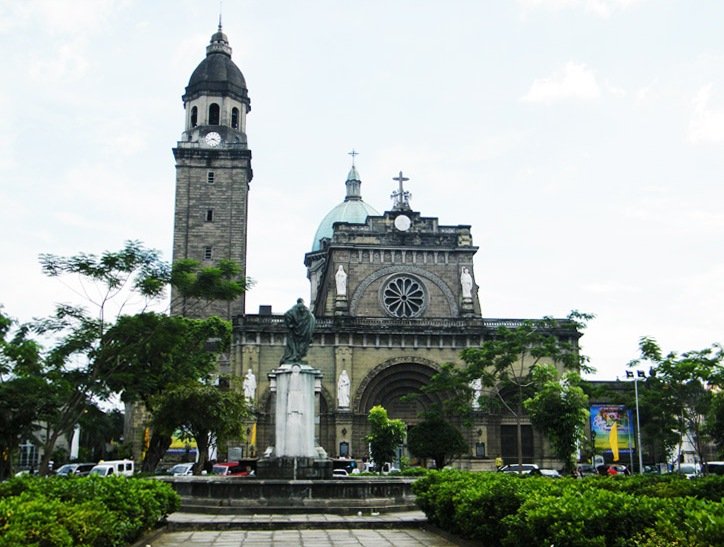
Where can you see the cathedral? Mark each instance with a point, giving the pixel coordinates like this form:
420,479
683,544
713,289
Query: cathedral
393,293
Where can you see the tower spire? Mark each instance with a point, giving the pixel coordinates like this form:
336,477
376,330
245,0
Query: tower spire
221,8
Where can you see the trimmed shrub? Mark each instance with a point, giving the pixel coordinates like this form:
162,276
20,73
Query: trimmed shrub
91,511
498,509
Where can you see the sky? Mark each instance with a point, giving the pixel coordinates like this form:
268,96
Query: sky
583,141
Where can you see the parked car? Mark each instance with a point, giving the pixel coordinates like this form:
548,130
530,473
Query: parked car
229,469
114,467
524,469
77,469
181,470
586,470
689,470
340,474
715,468
550,473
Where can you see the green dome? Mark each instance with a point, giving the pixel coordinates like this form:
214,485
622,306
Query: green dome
352,210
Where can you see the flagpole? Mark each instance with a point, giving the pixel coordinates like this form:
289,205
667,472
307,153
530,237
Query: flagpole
638,426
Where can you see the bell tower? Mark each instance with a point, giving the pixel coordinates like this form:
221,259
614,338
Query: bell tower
213,172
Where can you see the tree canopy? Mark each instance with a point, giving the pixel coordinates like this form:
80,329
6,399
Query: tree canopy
114,344
385,436
559,410
438,439
502,368
685,383
202,412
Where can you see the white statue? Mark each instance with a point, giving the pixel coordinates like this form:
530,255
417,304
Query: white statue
343,390
341,278
466,281
477,386
249,385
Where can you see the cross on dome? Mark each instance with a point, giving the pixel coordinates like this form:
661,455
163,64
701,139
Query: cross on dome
353,153
400,197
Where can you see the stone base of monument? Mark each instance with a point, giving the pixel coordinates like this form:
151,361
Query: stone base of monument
251,496
294,468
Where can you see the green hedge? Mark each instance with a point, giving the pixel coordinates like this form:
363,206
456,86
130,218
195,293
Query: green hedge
499,509
91,511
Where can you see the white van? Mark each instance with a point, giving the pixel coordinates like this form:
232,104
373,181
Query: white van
114,467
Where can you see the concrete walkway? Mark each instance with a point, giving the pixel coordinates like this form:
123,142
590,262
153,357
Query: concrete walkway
406,529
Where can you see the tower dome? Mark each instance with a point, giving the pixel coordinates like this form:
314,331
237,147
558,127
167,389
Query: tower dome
352,210
217,74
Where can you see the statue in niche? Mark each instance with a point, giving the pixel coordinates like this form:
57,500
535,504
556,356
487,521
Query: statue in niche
477,387
466,281
300,326
341,279
343,390
249,385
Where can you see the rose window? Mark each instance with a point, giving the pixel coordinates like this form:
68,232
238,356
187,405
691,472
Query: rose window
404,297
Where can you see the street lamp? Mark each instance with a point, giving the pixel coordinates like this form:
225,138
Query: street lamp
639,374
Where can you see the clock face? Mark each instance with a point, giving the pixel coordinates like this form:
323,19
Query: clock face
213,139
402,223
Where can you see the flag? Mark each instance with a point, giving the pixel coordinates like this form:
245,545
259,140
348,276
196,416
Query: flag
613,440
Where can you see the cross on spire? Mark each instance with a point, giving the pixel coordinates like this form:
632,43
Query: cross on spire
353,154
400,197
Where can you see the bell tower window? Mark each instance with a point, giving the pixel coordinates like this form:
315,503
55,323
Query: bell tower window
194,116
214,114
210,177
235,118
208,252
209,215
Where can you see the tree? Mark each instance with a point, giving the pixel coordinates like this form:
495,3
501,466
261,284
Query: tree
133,277
559,410
24,394
687,383
384,437
503,365
437,439
151,353
204,413
715,421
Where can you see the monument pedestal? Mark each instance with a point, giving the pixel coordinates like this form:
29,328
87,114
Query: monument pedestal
292,468
294,455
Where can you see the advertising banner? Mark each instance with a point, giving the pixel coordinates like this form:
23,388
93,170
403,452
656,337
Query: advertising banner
612,430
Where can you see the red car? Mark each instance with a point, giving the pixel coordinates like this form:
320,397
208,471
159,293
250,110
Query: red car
229,469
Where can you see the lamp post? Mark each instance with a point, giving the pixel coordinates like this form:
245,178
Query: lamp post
639,374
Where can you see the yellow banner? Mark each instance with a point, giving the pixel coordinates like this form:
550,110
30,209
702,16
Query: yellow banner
613,440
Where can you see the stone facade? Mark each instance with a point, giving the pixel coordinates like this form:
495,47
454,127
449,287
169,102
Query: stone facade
407,303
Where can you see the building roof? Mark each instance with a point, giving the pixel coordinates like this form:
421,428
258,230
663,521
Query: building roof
217,73
353,210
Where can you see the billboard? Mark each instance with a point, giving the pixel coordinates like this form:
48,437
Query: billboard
612,430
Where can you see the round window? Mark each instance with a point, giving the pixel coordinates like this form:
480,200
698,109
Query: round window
404,297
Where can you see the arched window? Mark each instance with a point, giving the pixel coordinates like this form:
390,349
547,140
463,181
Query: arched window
194,116
214,114
235,118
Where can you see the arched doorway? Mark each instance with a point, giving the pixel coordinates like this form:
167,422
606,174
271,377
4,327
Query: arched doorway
385,385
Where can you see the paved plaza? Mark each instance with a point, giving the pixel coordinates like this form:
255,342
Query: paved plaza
401,529
307,538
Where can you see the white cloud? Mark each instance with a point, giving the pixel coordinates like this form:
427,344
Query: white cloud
575,83
68,61
602,8
707,120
